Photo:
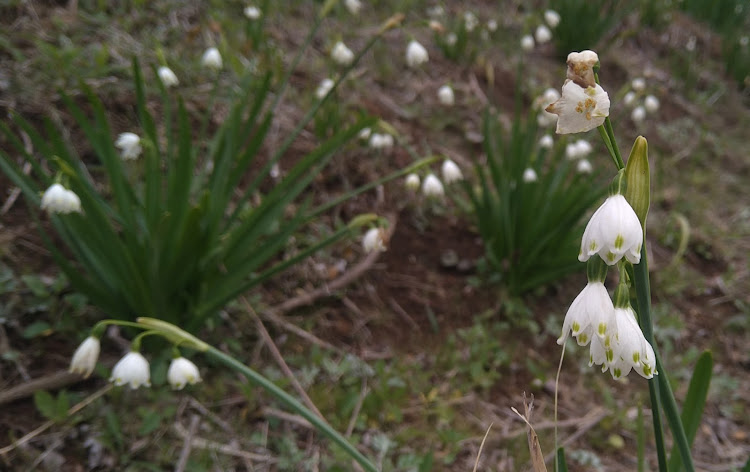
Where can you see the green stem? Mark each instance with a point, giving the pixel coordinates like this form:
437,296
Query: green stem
611,134
659,389
293,404
608,143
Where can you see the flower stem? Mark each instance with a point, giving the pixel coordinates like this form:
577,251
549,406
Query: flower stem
293,404
611,133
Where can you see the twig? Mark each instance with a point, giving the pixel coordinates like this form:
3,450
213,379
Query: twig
280,359
45,426
187,445
48,382
282,415
357,409
479,454
201,443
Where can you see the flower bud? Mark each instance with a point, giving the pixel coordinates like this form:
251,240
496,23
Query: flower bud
638,190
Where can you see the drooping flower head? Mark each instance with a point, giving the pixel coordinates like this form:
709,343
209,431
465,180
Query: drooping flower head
432,187
129,145
527,42
552,18
58,199
614,231
580,109
85,357
416,54
324,87
133,369
542,34
592,313
529,175
182,372
353,6
446,96
212,59
252,12
451,172
167,77
374,240
341,54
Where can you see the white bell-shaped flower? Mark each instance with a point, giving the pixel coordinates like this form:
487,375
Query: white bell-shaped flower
451,172
354,6
542,34
584,167
545,118
252,12
638,84
629,98
552,18
630,350
212,59
167,77
432,187
612,232
412,182
374,240
527,42
182,372
591,313
583,148
638,114
58,199
580,109
529,175
546,142
85,357
651,103
446,96
133,369
416,54
129,145
341,54
571,151
381,141
324,87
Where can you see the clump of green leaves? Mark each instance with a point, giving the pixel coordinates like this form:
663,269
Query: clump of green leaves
583,24
531,230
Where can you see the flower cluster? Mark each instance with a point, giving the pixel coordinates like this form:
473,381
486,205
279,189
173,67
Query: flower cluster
432,186
58,199
640,103
543,32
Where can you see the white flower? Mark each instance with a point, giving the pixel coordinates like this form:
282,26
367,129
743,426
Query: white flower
545,118
584,167
451,172
167,77
492,25
542,34
364,133
583,148
630,350
470,21
580,109
85,357
252,12
381,141
58,199
629,98
691,43
374,240
432,187
527,42
182,372
132,369
529,175
581,67
129,145
324,87
446,96
416,54
592,312
612,232
450,39
212,59
638,84
651,103
638,114
353,6
571,151
412,182
546,142
341,54
552,18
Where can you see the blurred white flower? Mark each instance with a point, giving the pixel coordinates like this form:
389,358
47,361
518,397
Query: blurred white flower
580,109
446,96
129,145
252,12
381,141
364,133
638,114
436,11
691,42
612,232
591,313
374,240
341,54
182,372
542,34
527,42
546,142
85,357
545,118
58,199
167,77
629,98
451,172
432,187
412,182
212,59
354,6
552,18
416,54
450,39
638,84
571,151
584,167
651,103
470,21
629,348
133,369
583,148
581,67
529,175
492,25
324,87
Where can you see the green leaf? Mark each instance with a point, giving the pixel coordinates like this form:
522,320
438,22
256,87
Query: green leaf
46,404
150,423
695,401
36,285
560,465
37,328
